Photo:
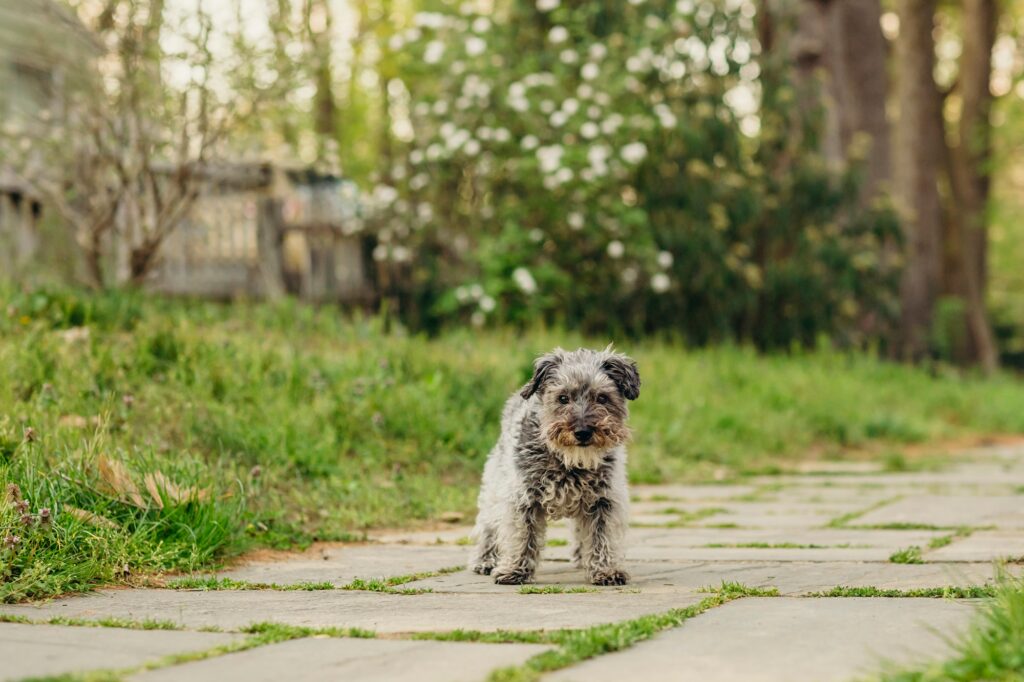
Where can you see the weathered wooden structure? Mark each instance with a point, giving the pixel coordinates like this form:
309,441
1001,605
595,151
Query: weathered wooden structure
19,215
261,231
42,46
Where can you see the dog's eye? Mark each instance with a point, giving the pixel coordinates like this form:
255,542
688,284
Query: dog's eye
564,399
602,398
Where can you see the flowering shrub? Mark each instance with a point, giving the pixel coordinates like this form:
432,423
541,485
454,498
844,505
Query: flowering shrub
614,166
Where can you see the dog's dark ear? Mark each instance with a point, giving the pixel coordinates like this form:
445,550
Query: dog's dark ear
542,369
623,372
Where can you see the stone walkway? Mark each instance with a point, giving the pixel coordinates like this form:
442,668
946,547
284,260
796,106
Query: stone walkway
803,534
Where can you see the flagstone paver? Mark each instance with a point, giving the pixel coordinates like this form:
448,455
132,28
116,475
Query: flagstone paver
382,613
340,565
365,660
802,534
791,578
1006,511
780,640
44,650
982,546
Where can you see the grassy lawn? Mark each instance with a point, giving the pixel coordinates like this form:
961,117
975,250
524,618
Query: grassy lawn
161,435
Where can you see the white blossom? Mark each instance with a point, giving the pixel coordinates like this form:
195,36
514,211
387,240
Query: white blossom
472,147
433,52
629,275
558,119
536,235
475,46
589,130
597,51
634,152
616,249
529,142
524,280
569,56
664,259
433,20
477,319
590,71
548,5
571,106
550,157
660,283
502,135
575,220
481,24
558,34
487,304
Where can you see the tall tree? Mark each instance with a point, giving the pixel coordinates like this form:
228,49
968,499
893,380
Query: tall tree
918,159
969,156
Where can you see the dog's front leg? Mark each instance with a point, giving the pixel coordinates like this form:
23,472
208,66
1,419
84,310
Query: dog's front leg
520,547
602,530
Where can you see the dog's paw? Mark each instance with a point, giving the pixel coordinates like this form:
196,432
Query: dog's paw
482,568
512,577
611,576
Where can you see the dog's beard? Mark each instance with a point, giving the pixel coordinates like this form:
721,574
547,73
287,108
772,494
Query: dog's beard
562,441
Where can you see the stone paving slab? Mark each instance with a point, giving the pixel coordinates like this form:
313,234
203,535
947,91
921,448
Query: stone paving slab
690,493
44,650
791,578
341,564
366,660
1006,511
826,537
383,613
780,640
981,545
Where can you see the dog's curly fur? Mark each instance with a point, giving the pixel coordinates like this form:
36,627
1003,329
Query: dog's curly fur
561,454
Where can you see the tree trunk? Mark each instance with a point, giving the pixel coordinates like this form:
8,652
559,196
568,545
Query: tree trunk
967,243
918,160
856,58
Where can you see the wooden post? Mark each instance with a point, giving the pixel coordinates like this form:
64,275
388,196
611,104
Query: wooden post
269,234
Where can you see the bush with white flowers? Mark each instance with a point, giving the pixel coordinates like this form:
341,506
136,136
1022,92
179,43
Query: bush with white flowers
612,166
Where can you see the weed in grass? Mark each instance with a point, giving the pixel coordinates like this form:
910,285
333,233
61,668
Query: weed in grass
213,583
555,589
557,542
910,555
464,541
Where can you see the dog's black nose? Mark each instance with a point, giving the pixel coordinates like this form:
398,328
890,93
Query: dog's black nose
584,435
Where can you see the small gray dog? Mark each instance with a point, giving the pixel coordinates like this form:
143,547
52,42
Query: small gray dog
561,454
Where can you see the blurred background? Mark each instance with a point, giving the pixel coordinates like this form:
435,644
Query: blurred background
772,173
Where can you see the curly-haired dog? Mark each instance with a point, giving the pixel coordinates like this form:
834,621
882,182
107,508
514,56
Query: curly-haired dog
561,454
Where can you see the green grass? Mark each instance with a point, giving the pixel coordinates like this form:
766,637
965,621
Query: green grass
909,555
769,545
175,434
555,589
992,649
212,583
557,542
946,592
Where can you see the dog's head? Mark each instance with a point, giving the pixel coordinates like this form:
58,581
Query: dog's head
583,395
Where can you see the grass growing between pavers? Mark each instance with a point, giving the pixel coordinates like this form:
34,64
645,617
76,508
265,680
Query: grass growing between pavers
391,585
574,646
260,634
945,592
908,555
555,589
149,435
991,649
